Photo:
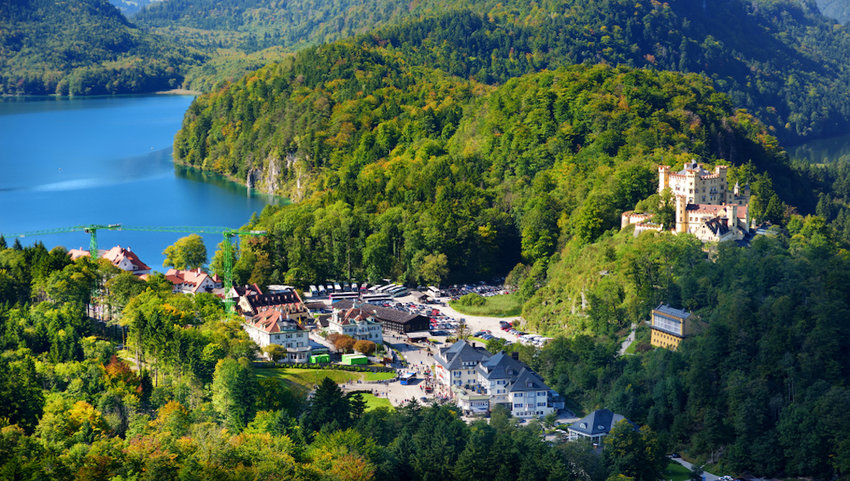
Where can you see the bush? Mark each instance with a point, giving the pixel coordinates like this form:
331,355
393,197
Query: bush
365,347
471,299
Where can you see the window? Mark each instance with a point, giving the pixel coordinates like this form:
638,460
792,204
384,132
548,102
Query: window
541,404
517,406
519,394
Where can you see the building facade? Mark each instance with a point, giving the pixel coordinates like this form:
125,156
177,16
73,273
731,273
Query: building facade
705,205
356,323
192,281
479,381
670,326
273,327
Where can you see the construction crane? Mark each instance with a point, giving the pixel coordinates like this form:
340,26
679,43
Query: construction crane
227,249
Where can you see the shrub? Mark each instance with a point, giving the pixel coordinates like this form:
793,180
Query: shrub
471,299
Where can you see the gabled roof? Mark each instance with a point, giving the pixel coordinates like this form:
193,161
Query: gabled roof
454,356
500,366
598,422
528,380
250,290
114,255
353,315
117,254
284,301
193,277
381,313
273,321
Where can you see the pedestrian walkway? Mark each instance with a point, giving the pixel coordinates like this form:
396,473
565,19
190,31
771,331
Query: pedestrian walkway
706,476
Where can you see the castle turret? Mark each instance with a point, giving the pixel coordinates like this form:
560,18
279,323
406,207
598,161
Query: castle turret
681,214
663,177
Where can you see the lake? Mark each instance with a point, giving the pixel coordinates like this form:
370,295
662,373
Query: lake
107,160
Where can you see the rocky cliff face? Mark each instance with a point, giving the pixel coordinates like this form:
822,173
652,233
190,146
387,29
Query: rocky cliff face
288,176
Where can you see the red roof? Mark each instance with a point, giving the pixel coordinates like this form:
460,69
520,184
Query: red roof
118,254
272,321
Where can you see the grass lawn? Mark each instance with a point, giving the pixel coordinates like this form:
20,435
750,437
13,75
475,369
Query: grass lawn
507,305
676,472
305,379
378,376
373,402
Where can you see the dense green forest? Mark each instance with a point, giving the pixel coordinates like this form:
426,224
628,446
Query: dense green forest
83,47
73,408
781,60
761,389
837,9
131,7
399,169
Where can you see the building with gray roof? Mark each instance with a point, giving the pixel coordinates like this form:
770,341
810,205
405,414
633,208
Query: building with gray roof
595,425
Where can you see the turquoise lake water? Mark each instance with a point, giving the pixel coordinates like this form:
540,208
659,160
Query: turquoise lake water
107,160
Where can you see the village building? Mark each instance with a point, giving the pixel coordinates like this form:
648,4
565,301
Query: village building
479,381
392,320
670,326
356,323
595,426
273,327
289,303
192,281
705,205
121,257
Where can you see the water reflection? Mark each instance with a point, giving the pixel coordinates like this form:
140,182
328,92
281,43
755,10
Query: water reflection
195,175
823,151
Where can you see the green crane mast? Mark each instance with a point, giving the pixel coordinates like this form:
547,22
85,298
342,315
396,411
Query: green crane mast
227,232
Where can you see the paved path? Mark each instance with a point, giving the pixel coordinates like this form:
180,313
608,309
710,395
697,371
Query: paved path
629,340
706,475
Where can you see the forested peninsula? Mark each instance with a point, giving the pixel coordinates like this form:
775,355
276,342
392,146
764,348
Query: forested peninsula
83,47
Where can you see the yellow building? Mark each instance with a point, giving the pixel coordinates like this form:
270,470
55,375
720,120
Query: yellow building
670,326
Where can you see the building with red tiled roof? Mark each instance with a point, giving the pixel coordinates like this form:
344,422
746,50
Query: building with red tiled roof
121,257
287,302
192,281
705,205
273,327
357,323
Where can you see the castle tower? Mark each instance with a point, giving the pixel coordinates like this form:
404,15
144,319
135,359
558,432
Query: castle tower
663,177
681,214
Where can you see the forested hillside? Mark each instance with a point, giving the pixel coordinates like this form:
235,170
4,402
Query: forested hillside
82,47
395,166
837,9
184,401
781,60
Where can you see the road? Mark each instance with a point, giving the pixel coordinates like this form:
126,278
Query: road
474,323
706,475
629,340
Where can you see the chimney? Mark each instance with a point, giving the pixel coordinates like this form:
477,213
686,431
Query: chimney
515,356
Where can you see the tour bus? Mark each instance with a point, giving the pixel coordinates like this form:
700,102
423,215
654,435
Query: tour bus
406,378
322,291
398,291
337,296
434,292
346,287
313,291
337,287
354,287
376,298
